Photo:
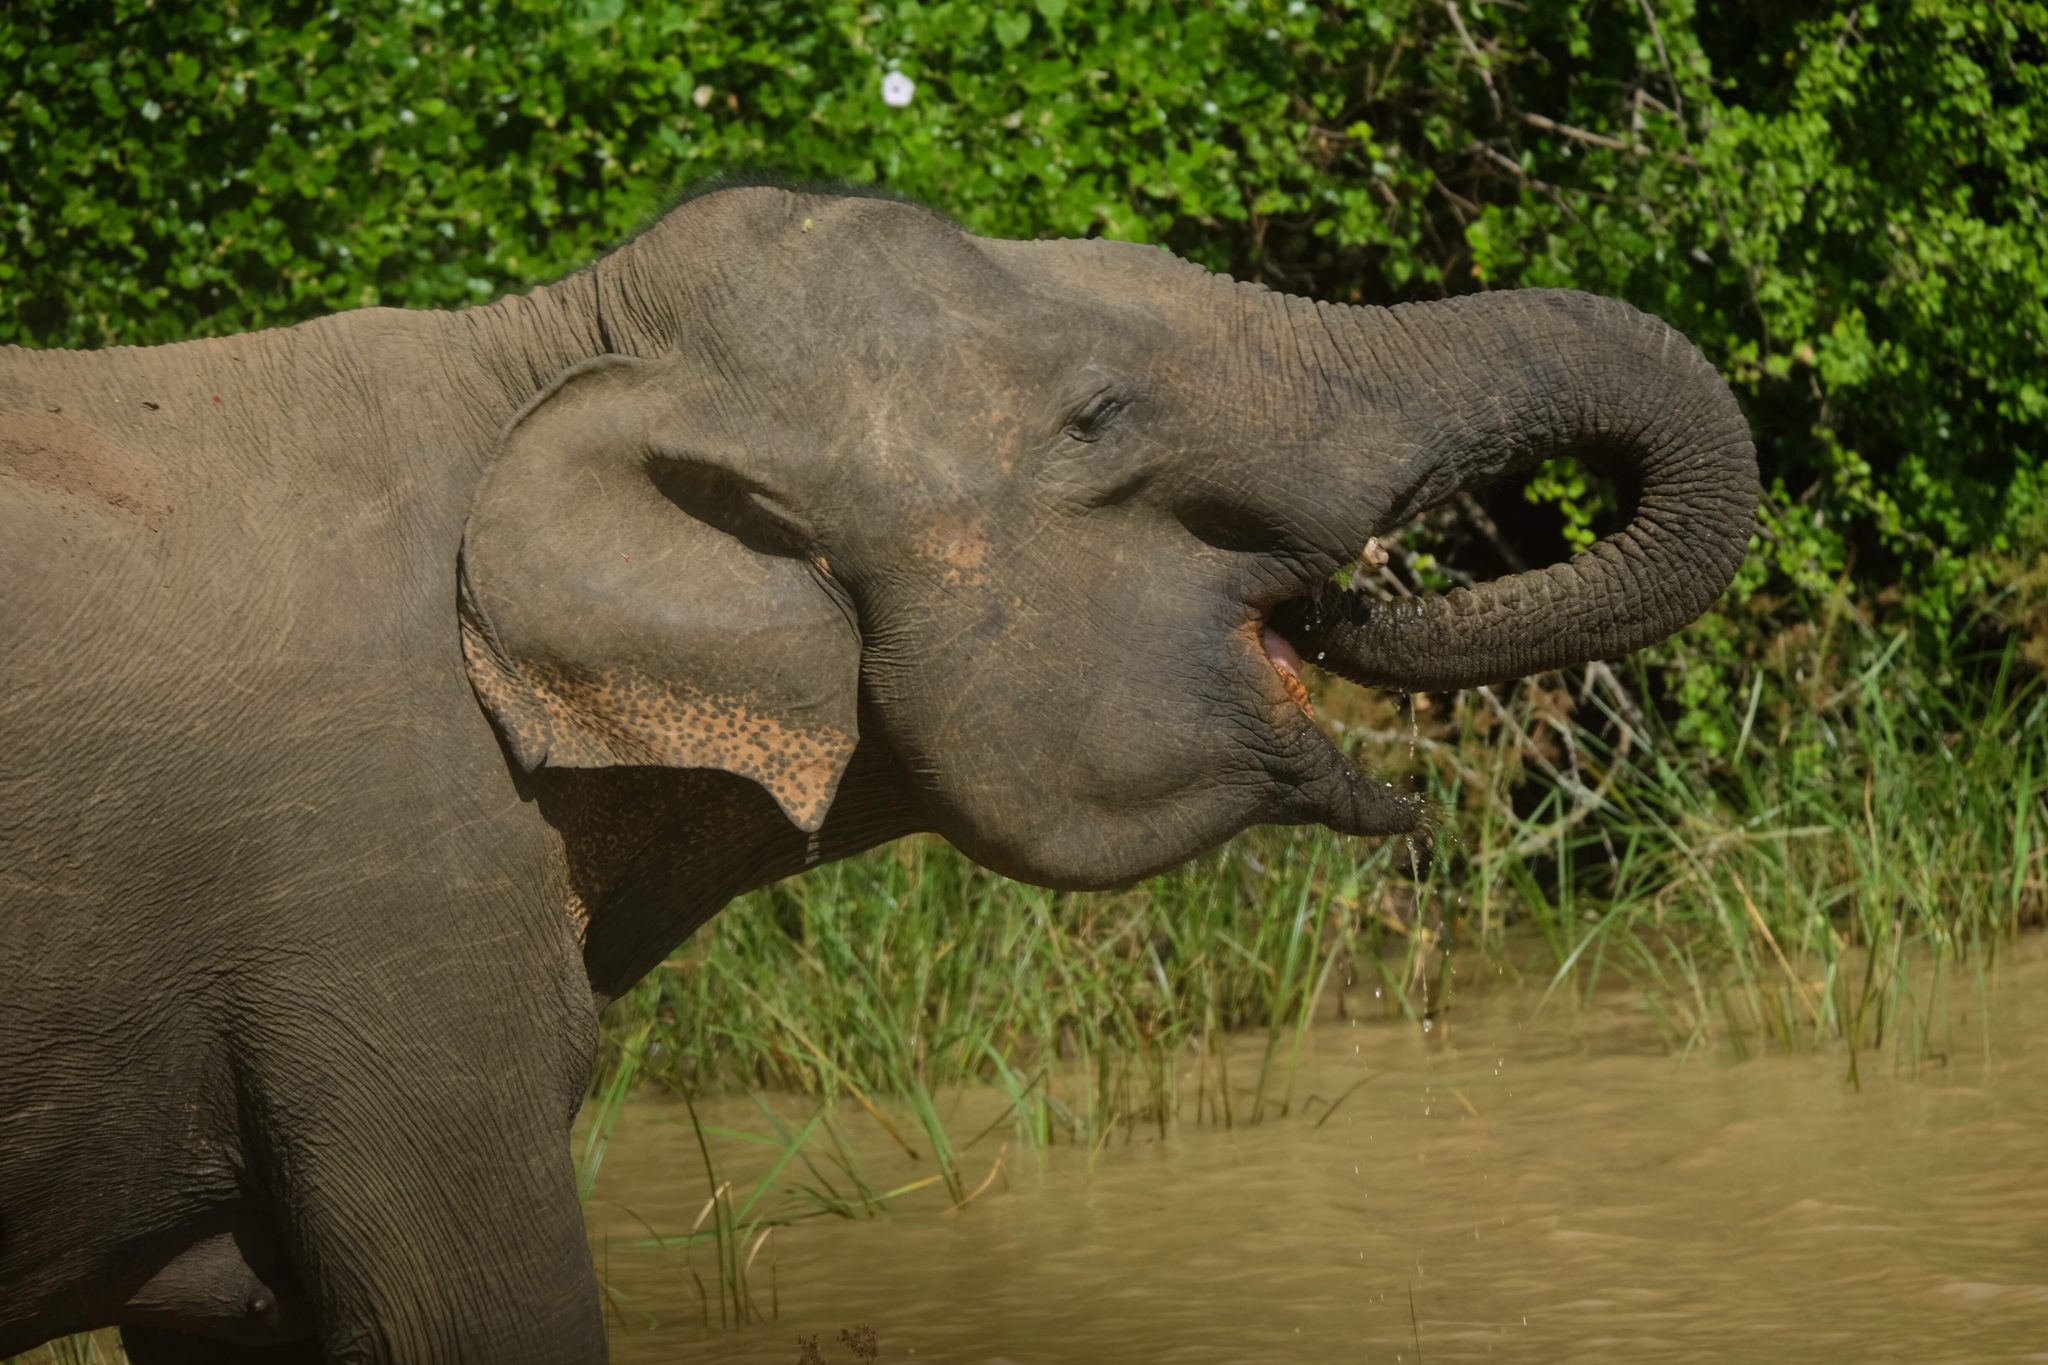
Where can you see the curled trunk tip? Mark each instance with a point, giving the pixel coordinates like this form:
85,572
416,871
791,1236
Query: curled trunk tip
1514,378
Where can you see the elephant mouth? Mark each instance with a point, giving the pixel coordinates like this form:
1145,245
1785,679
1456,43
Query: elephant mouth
1327,786
1286,661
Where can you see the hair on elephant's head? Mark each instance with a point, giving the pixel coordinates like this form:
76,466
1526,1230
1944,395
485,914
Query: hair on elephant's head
1054,521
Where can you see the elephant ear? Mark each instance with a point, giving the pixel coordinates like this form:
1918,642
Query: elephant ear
636,591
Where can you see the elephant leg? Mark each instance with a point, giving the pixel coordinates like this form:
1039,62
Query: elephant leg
158,1346
443,1234
416,1166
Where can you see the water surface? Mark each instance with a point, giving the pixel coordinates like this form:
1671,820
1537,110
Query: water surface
1509,1186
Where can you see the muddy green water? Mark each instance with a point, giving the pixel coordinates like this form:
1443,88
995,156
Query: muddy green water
1510,1186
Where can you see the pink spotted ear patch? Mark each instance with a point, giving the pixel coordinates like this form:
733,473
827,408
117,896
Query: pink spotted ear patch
567,717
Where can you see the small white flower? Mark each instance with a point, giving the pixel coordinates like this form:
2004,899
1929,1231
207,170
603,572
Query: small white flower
897,89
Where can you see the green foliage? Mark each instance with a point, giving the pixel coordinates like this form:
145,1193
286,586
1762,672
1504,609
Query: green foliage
1842,204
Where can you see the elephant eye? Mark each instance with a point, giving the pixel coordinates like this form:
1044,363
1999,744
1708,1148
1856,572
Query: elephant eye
1094,417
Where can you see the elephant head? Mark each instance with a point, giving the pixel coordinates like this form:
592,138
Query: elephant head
1054,522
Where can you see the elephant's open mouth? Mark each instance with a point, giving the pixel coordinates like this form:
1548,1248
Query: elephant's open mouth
1287,663
1325,784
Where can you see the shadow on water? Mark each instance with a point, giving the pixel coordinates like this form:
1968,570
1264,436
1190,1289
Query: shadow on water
1513,1183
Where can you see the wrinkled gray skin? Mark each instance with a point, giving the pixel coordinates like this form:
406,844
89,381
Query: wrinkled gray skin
360,736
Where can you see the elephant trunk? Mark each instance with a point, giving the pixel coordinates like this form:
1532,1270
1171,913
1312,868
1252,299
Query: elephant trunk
1493,383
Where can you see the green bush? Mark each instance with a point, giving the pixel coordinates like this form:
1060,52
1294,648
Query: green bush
1842,204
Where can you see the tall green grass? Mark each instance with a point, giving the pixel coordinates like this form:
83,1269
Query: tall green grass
87,1348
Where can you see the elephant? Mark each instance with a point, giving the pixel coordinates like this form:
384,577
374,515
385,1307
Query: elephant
381,696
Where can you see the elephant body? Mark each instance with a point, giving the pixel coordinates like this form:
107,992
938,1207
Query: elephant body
255,821
335,801
207,928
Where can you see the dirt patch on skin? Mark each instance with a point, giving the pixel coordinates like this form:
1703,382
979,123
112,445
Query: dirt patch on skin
576,905
959,547
48,450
